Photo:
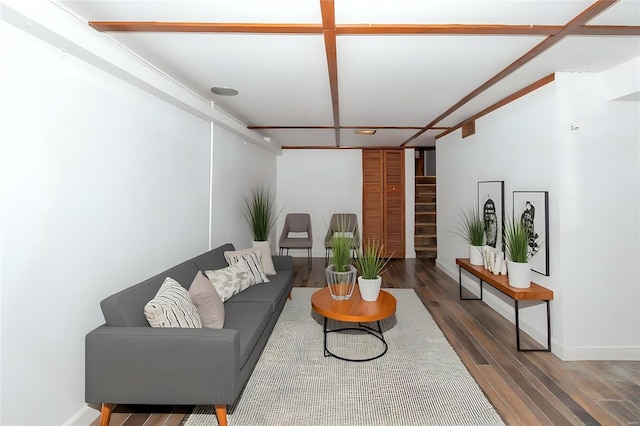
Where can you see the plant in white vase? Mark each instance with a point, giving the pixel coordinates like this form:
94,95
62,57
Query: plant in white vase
371,264
471,227
520,247
260,213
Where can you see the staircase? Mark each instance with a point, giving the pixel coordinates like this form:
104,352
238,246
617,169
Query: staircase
425,235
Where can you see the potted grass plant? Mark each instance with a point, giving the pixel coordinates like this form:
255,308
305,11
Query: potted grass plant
520,247
371,264
341,274
471,228
260,212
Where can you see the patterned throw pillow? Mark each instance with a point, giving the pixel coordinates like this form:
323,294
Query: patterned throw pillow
253,258
208,302
231,280
172,307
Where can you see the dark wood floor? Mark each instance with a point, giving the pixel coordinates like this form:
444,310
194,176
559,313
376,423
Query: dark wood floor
526,388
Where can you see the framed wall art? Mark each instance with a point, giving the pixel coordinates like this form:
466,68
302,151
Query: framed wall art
533,209
491,208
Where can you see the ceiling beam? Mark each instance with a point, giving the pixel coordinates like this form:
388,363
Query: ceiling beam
356,29
205,27
344,127
588,14
329,31
520,93
460,29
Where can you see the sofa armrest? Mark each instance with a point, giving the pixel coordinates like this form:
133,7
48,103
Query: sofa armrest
282,262
144,365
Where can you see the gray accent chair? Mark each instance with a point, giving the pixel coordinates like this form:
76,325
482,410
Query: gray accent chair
342,222
299,223
129,362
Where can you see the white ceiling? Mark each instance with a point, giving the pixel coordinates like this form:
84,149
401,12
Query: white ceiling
382,80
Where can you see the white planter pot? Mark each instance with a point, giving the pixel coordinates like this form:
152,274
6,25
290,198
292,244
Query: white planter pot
519,274
369,288
475,255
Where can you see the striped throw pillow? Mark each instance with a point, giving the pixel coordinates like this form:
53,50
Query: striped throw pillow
172,307
254,262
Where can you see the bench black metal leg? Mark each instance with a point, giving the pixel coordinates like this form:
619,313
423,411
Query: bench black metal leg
548,348
460,282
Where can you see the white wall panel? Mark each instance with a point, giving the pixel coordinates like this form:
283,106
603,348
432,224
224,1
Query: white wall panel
237,166
103,185
319,182
564,138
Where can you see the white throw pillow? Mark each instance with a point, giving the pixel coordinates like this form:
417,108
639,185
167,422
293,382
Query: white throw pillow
231,280
172,307
208,302
253,259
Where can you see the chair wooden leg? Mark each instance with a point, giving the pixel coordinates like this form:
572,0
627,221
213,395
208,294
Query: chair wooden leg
221,413
105,414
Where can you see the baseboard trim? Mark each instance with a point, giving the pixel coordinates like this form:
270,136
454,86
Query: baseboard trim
85,416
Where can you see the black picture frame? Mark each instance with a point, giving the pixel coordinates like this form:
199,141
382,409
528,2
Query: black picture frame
534,206
491,208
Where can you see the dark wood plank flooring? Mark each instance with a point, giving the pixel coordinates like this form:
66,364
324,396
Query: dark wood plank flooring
526,388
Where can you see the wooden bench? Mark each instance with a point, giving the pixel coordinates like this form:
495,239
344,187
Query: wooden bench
501,282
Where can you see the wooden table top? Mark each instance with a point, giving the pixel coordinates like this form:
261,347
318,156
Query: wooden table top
501,282
354,309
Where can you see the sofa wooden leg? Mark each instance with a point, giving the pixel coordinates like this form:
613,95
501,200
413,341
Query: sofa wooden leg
105,414
221,413
289,295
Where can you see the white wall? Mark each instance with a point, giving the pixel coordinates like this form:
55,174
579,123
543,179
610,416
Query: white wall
103,185
326,181
319,182
237,165
600,211
593,182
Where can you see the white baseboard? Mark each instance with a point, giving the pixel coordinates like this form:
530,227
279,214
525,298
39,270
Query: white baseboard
84,417
600,353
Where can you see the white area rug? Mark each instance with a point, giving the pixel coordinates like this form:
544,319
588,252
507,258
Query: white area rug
419,381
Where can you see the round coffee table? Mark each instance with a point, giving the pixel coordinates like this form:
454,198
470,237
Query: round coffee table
354,310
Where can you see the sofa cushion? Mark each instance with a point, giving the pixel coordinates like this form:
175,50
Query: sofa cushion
230,280
126,307
213,259
273,292
250,319
208,302
172,307
253,257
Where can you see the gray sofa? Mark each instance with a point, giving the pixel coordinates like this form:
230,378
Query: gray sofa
128,362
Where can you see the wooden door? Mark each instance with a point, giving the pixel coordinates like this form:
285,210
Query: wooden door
383,199
372,190
393,193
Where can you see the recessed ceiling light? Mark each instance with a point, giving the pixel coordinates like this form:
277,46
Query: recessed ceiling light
224,91
364,132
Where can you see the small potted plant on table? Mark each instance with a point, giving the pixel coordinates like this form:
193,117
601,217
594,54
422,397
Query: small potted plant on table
371,264
520,247
471,228
341,274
